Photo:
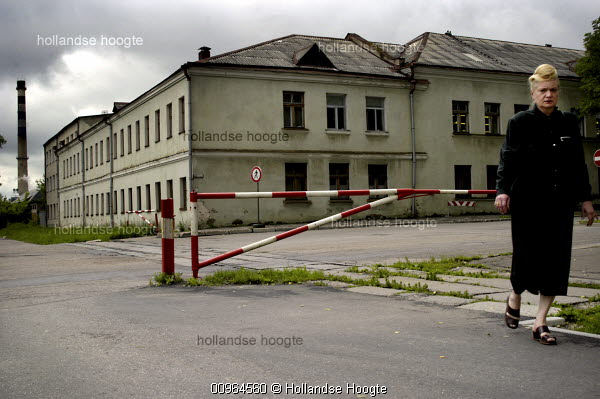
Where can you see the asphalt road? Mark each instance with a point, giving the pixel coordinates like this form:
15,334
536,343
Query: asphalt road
80,321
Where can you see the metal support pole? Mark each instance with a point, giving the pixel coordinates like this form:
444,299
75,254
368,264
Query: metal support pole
194,232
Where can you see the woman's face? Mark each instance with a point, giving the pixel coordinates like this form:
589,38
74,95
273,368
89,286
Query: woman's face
545,95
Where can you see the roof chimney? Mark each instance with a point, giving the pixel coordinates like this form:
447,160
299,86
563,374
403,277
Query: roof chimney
204,53
548,45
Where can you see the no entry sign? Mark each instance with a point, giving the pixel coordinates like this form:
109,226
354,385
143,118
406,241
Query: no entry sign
256,174
597,158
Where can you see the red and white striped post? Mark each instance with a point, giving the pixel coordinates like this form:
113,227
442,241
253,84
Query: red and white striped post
168,239
194,232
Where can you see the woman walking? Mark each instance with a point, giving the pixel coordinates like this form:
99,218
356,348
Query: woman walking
541,177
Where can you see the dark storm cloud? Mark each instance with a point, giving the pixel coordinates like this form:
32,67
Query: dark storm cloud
60,89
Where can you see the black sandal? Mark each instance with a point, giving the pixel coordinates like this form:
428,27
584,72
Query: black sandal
542,334
511,316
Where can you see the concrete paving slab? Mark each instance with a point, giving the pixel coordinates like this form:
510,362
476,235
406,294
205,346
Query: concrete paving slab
499,308
442,300
501,283
550,322
334,284
444,286
375,291
528,298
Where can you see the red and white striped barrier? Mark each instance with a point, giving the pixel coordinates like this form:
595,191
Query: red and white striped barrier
332,193
461,203
168,238
394,194
139,213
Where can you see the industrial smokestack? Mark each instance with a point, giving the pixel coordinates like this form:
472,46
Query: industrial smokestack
22,158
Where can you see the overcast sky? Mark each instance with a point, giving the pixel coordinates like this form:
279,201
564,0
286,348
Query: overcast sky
64,82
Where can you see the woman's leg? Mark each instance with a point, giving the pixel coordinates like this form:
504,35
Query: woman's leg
542,313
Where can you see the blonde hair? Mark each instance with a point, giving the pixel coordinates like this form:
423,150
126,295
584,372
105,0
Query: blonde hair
543,73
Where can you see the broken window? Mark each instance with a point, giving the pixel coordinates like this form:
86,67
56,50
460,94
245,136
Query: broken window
460,115
492,118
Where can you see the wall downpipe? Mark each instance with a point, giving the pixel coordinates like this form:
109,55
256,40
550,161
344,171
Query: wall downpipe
111,193
413,86
189,128
83,207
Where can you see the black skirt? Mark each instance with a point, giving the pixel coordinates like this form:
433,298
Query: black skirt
542,236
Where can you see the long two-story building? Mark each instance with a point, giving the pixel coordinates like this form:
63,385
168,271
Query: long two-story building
315,113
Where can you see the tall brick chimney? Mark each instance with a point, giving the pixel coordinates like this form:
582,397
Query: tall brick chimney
22,157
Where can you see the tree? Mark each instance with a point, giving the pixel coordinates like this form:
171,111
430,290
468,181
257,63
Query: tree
2,141
588,68
41,186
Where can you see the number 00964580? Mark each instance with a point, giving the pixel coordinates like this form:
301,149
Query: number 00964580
248,388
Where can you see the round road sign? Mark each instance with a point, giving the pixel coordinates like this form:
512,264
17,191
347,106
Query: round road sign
597,158
256,174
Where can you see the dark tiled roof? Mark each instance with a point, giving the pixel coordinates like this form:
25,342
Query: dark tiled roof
357,55
446,50
345,56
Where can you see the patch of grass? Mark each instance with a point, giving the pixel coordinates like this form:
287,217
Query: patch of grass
36,234
165,279
265,276
446,266
586,320
585,285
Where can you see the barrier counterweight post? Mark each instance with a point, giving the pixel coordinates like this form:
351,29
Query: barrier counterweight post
168,241
194,232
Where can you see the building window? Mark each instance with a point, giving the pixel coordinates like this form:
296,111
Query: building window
521,107
91,157
462,179
137,135
375,121
491,172
87,163
377,179
492,118
339,179
122,200
157,126
114,209
87,205
169,188
130,199
108,203
138,192
157,194
115,146
460,116
108,149
336,111
102,204
101,152
182,193
147,131
122,142
293,109
169,120
148,198
181,114
96,153
97,205
129,139
295,178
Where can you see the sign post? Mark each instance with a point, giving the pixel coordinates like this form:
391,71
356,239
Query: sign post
256,175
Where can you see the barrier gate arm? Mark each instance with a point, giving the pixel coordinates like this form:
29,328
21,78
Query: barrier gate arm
396,194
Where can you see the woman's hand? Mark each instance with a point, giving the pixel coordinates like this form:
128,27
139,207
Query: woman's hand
587,210
503,203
